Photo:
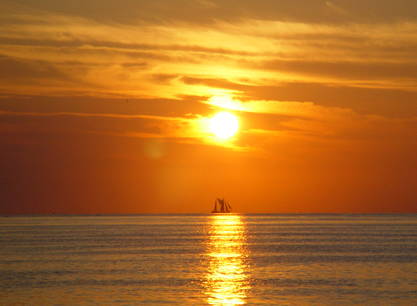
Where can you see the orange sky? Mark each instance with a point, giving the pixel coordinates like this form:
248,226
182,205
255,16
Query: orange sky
104,106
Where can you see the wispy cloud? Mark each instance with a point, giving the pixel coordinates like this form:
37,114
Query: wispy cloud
92,115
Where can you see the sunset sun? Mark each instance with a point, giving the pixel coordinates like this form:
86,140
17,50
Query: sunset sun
224,125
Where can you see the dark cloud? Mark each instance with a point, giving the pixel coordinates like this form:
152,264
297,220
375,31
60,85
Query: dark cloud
78,123
377,101
351,70
134,65
200,12
76,43
96,105
21,72
13,69
163,78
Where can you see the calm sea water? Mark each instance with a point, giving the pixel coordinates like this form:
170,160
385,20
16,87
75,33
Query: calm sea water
209,259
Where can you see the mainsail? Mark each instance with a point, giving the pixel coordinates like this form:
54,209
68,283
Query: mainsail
222,205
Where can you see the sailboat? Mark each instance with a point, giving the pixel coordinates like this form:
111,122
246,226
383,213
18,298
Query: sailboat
221,207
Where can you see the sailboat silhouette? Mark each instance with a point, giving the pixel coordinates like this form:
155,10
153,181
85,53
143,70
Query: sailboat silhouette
221,207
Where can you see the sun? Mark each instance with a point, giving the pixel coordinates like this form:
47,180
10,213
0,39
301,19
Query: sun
224,125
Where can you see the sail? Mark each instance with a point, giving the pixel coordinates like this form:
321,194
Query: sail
221,206
215,206
228,207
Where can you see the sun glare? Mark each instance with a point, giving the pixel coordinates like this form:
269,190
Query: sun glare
224,125
226,102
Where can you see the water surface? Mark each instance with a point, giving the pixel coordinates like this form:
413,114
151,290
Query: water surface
209,259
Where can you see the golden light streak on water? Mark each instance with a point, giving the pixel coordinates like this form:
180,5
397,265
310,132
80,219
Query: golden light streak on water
226,280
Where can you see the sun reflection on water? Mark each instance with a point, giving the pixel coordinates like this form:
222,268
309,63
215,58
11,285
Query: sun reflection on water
226,280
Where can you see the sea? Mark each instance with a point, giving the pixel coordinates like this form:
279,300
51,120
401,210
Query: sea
218,259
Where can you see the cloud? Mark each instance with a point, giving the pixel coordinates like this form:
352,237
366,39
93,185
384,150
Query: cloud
115,58
389,102
198,12
140,126
13,69
77,43
295,62
363,100
106,104
335,8
91,115
350,70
